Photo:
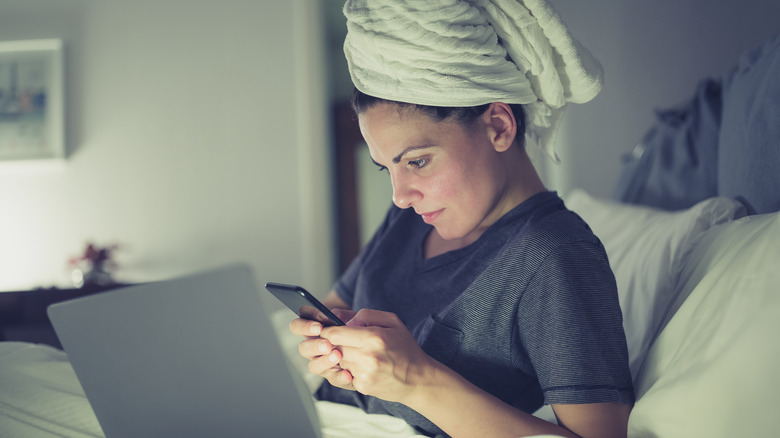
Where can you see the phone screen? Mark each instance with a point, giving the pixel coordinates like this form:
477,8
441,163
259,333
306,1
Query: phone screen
304,304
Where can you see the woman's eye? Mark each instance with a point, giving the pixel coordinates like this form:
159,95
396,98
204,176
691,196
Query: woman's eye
419,163
382,168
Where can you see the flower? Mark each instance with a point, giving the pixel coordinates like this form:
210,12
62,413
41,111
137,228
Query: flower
96,257
92,268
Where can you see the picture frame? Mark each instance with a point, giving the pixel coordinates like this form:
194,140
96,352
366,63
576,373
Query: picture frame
31,100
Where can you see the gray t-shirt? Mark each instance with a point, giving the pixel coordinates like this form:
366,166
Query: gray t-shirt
529,312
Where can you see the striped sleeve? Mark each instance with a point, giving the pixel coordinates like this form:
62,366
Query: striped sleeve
570,324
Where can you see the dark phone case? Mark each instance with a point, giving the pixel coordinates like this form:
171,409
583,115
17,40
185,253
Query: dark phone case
296,298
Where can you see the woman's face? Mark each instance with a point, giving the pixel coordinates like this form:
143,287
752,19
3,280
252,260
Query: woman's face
450,174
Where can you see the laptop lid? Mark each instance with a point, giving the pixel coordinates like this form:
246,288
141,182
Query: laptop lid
195,356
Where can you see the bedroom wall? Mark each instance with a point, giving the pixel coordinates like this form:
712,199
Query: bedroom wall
196,137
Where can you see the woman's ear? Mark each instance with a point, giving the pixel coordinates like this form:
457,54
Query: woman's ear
502,126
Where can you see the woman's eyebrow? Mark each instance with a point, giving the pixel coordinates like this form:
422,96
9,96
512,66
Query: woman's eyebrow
397,158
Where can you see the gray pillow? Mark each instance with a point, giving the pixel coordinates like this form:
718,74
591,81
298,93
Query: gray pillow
675,164
749,142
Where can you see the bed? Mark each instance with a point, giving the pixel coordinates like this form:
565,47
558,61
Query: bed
693,235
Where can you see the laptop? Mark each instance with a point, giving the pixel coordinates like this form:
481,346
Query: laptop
191,357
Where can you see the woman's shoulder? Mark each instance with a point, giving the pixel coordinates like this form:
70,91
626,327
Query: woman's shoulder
548,219
554,246
549,227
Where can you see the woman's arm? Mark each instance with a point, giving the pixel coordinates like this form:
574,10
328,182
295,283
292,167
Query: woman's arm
379,357
464,410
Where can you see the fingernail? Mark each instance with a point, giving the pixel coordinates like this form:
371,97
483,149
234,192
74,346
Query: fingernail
315,329
323,347
333,357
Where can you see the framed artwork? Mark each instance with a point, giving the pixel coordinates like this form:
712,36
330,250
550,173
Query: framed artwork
31,100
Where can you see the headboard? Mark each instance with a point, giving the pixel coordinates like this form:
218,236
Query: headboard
724,141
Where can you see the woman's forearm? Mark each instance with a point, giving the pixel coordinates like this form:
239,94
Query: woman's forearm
462,409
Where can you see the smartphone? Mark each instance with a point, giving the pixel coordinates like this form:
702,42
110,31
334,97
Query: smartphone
303,303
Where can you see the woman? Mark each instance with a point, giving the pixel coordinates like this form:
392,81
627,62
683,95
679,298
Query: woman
480,297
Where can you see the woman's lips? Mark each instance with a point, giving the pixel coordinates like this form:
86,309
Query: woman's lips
431,216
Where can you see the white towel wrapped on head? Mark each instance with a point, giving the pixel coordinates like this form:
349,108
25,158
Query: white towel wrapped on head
471,52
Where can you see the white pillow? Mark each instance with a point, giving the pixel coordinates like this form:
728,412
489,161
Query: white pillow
646,247
712,371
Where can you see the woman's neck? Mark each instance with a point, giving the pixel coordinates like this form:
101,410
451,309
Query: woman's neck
523,183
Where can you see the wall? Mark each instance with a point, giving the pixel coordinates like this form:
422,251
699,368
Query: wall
196,137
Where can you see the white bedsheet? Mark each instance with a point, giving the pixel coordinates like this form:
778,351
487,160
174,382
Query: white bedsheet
40,395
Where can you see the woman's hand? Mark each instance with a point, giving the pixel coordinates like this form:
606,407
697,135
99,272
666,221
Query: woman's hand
381,356
322,356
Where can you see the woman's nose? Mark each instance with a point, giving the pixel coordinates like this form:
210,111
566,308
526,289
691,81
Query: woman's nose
404,195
